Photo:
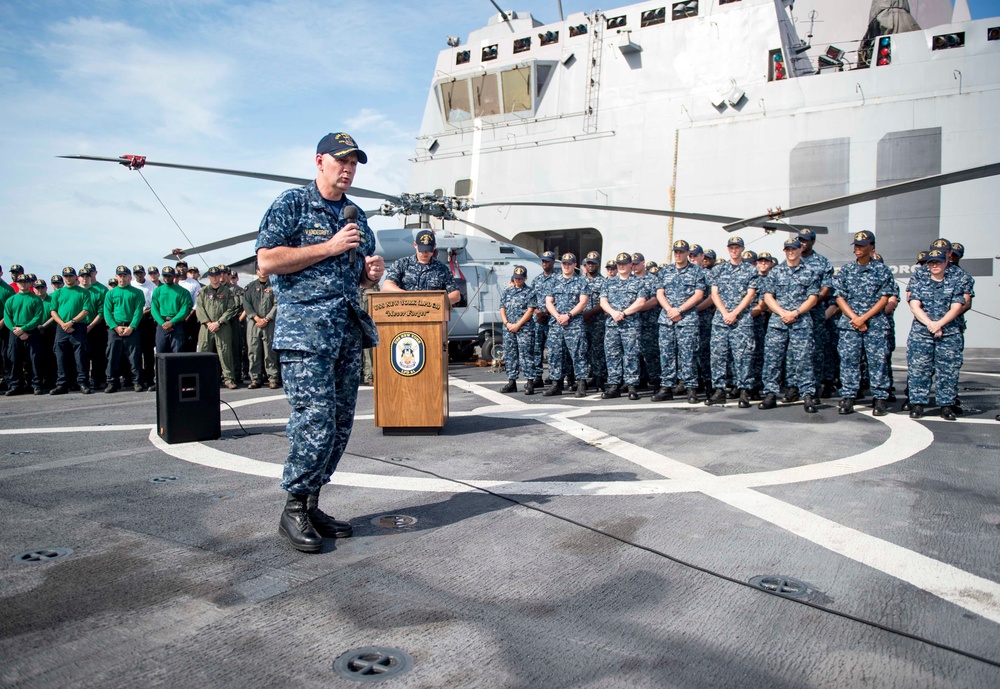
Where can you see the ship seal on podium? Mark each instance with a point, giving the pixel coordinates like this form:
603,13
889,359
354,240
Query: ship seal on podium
408,353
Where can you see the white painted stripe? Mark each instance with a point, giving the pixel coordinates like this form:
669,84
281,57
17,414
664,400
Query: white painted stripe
945,581
963,372
77,429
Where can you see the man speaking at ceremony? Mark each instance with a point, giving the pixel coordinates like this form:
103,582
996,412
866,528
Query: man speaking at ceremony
316,245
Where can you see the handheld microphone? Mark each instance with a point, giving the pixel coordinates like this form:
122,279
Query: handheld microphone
351,215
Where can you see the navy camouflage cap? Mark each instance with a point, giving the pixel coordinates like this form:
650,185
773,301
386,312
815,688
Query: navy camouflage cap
653,269
179,264
922,258
735,241
91,267
792,243
937,256
112,282
710,253
750,256
153,270
764,256
610,263
807,235
16,268
593,257
122,270
138,269
942,244
623,258
22,278
32,277
86,271
652,264
340,144
69,271
548,256
876,256
957,249
864,238
168,272
425,240
681,245
696,250
39,284
638,258
568,257
213,270
57,280
520,272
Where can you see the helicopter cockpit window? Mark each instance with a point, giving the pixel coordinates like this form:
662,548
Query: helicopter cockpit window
457,105
486,95
516,89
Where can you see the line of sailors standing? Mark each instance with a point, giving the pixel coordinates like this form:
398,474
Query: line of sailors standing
747,328
87,336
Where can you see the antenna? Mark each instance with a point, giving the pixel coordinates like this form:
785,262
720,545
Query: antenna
812,23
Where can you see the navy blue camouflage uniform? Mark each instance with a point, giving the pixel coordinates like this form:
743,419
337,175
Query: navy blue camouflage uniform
595,329
411,275
861,286
649,329
317,334
621,340
732,342
824,361
541,322
790,345
679,342
518,348
927,355
565,294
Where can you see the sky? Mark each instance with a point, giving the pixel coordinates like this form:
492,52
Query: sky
250,85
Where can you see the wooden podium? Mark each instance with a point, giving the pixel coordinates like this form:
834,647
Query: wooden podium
411,361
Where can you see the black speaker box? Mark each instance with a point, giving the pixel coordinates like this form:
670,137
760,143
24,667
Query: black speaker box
187,397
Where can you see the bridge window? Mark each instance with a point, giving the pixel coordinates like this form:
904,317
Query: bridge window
486,97
516,89
457,104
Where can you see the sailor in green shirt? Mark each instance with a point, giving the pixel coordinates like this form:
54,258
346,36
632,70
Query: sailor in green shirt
123,307
71,306
97,329
23,313
6,292
47,331
170,305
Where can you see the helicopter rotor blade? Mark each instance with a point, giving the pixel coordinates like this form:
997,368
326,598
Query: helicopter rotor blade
485,230
298,181
705,217
212,246
872,194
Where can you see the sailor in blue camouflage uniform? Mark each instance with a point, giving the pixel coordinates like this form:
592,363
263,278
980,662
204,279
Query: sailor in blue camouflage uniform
539,285
622,300
705,259
862,289
682,288
318,262
934,347
593,321
890,338
791,291
566,300
422,271
824,355
733,285
517,306
649,324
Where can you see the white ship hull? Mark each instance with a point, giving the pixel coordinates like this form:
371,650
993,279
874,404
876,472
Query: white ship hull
638,116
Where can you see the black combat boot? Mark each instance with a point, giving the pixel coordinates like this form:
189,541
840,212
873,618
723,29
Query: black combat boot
679,389
792,395
529,387
718,397
846,406
906,404
511,386
556,389
58,390
581,388
613,392
296,527
948,413
692,396
770,401
956,406
744,402
878,408
917,411
663,394
732,393
633,393
539,383
809,402
755,395
324,524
